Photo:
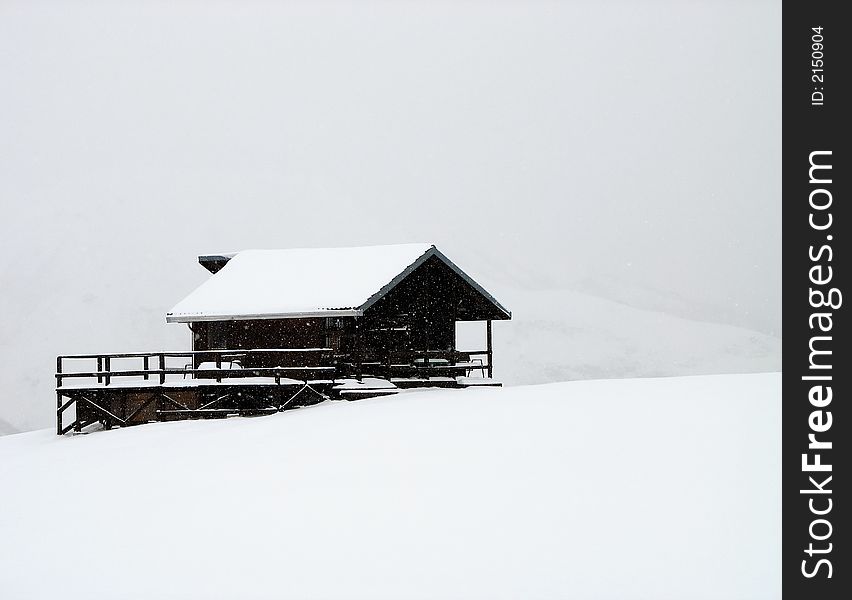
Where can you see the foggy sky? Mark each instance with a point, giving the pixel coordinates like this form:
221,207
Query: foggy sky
629,149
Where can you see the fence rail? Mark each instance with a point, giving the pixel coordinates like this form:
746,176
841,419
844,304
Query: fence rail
190,353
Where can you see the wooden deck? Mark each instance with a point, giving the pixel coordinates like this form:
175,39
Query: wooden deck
122,389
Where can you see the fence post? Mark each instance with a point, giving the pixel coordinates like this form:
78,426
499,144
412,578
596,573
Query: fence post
162,365
490,348
359,349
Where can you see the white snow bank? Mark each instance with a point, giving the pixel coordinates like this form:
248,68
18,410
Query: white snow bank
476,381
372,383
656,488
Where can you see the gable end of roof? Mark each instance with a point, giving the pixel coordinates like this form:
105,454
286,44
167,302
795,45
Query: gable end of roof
433,251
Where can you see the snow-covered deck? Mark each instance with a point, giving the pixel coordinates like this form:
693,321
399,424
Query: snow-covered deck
131,388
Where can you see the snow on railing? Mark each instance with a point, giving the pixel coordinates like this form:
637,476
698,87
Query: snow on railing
203,364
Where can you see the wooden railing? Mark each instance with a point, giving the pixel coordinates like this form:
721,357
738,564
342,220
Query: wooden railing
301,363
418,363
121,388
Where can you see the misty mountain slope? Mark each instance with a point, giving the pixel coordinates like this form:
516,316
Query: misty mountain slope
563,335
6,428
606,489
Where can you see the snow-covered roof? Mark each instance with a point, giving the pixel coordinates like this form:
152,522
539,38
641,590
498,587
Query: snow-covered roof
303,282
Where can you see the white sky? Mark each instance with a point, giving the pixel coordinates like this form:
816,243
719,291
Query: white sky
630,149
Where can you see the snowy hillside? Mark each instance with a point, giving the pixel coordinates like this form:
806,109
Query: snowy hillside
654,488
563,335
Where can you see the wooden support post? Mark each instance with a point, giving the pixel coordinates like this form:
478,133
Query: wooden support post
145,366
359,350
100,368
58,396
218,368
107,367
162,365
489,348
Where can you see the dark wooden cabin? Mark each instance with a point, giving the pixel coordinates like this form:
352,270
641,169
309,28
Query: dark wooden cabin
396,319
277,329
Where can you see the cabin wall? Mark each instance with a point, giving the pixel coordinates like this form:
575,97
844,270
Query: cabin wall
426,302
260,333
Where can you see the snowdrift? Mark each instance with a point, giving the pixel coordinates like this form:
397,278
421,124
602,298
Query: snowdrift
654,488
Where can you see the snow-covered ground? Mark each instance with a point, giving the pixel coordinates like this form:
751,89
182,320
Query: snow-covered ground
652,488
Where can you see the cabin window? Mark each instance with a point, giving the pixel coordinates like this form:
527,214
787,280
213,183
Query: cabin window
333,323
333,331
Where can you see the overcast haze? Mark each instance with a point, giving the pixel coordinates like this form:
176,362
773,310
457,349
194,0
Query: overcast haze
629,150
